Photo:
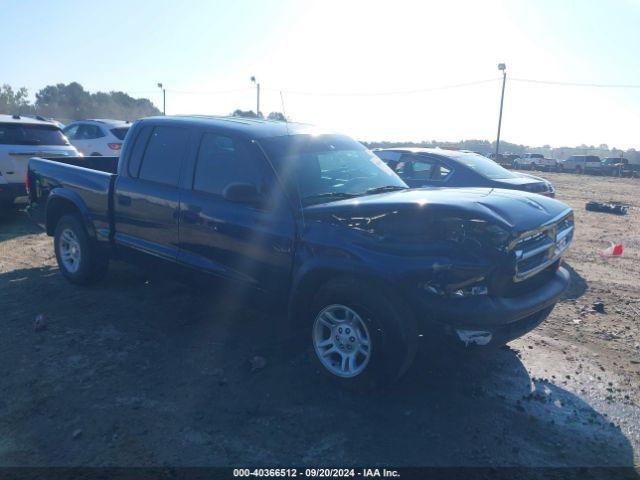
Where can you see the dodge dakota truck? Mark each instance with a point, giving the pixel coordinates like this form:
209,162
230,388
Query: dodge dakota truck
315,223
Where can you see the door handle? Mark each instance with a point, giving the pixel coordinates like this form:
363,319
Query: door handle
124,200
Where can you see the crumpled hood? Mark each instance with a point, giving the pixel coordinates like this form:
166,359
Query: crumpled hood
513,210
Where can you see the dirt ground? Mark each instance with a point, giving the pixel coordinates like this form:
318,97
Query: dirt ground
140,371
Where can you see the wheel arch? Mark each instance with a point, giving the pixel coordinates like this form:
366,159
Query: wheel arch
63,202
309,280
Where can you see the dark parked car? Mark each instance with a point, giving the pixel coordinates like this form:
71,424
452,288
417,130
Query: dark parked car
320,229
435,167
619,167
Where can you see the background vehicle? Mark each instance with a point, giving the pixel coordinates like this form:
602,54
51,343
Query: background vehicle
540,162
503,159
317,225
434,167
620,167
582,164
20,139
526,161
97,137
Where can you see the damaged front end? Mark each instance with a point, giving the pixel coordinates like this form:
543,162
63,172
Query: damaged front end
482,265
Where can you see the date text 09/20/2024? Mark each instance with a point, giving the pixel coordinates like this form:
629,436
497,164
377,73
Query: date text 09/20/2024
316,472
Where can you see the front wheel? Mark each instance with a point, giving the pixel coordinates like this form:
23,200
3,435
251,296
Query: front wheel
361,337
79,259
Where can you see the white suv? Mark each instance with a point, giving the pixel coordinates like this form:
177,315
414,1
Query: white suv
99,137
20,139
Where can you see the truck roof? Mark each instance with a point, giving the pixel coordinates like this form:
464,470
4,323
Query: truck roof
251,127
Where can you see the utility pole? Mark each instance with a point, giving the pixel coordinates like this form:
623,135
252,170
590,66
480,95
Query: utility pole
503,67
164,98
253,79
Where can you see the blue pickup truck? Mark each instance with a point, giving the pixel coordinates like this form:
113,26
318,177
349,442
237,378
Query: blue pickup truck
319,226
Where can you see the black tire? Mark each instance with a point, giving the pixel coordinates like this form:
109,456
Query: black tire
579,170
92,264
391,325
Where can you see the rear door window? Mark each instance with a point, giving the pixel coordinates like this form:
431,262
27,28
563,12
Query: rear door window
440,172
88,132
31,134
162,159
414,167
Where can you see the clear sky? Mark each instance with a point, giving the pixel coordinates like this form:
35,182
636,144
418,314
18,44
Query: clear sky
332,59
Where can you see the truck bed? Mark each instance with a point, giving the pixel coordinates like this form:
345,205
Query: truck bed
100,163
88,178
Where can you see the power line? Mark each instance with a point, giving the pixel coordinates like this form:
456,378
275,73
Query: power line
218,92
573,84
388,93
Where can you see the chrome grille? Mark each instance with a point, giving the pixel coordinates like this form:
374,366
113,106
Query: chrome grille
536,250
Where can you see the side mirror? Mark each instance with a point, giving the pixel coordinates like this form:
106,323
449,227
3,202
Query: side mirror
243,193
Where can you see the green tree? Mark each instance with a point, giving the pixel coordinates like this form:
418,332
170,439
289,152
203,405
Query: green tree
245,113
14,101
73,102
277,116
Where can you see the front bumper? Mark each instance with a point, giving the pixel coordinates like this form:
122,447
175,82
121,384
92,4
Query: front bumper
11,191
505,318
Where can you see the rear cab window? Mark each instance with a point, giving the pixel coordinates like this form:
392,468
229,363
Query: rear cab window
31,134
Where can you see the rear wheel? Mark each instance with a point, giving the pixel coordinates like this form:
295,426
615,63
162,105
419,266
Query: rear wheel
361,338
79,258
579,169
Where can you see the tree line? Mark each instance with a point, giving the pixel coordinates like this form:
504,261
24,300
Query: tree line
486,147
72,102
279,116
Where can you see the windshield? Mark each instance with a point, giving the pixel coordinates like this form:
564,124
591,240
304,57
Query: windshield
31,134
325,167
484,166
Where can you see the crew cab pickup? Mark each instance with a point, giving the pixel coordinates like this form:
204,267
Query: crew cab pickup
316,223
